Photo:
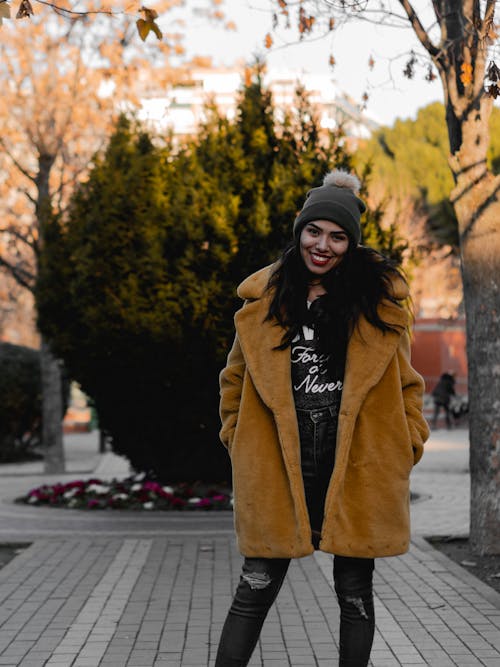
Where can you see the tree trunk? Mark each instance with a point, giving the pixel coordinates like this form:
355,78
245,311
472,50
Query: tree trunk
52,412
477,206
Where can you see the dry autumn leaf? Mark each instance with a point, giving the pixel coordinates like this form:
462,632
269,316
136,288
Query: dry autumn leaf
493,91
430,76
305,22
409,70
149,14
143,28
25,9
466,75
493,72
268,42
147,24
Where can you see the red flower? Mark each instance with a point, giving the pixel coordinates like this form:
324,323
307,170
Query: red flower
76,484
154,487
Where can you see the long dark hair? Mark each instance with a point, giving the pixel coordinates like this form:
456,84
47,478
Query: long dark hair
353,288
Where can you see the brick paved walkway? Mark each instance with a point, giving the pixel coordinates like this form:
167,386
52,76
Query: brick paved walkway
154,592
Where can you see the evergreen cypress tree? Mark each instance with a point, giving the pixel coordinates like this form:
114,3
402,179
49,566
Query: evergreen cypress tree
137,286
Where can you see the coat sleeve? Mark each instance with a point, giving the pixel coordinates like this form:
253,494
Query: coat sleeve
413,387
231,382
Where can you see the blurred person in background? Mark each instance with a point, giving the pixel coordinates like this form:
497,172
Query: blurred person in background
441,395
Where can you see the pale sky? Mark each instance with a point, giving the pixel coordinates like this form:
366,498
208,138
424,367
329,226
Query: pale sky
352,45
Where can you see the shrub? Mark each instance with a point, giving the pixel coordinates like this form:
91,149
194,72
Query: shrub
20,402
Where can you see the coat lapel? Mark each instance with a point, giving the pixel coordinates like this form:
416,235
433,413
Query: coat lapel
270,371
368,354
269,368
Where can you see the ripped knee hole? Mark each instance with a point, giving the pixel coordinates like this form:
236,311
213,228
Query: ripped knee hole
257,580
359,604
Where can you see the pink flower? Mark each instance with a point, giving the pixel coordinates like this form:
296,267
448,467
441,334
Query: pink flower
76,484
57,489
42,493
154,487
132,492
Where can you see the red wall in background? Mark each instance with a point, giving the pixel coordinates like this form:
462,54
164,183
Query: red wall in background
439,346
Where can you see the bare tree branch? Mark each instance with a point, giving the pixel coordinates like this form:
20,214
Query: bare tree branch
17,164
489,15
476,13
18,235
419,29
65,10
63,184
74,88
29,196
20,275
438,9
490,10
59,191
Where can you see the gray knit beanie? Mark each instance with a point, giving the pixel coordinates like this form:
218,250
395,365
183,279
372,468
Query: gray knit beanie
336,201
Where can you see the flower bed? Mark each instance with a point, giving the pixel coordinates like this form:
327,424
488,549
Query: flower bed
133,493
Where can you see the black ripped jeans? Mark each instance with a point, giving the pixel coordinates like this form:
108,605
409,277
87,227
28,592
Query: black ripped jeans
261,578
260,582
318,434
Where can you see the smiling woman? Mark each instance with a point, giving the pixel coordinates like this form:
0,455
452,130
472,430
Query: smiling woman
318,393
322,246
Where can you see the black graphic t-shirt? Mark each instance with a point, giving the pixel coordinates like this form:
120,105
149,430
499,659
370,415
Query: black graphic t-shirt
313,387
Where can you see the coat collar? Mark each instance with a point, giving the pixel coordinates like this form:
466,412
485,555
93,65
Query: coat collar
269,368
368,354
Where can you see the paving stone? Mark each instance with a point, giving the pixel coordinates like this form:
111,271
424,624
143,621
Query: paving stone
141,599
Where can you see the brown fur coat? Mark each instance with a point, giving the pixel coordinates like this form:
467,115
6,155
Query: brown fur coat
380,437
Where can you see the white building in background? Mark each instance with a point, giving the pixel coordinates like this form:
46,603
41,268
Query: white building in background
181,108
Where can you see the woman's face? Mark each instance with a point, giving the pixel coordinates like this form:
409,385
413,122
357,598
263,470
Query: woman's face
323,245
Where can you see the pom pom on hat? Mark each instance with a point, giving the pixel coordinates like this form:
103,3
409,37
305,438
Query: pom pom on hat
342,179
336,200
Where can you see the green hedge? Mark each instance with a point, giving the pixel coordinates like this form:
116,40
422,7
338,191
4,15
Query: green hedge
20,402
